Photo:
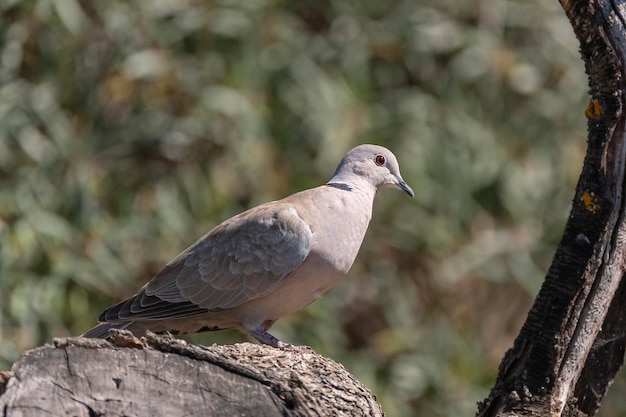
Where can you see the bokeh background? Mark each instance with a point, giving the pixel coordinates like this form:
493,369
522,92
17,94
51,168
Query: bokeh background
128,129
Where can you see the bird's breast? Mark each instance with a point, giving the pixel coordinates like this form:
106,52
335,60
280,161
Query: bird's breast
337,239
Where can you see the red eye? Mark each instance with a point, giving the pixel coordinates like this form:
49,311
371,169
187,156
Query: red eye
380,160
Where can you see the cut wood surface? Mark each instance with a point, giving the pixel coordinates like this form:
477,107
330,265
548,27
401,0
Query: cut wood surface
163,376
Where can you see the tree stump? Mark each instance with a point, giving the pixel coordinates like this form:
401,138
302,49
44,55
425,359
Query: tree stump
163,376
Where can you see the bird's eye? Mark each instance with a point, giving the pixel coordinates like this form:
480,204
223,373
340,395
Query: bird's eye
380,160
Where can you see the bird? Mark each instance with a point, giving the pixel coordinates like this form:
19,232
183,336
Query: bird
264,263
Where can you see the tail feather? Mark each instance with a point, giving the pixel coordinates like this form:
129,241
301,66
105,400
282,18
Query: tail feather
101,331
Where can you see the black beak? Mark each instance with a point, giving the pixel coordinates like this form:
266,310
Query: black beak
405,187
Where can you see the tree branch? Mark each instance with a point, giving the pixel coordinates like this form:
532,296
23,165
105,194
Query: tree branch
572,343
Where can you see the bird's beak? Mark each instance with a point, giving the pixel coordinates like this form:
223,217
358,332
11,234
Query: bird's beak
405,187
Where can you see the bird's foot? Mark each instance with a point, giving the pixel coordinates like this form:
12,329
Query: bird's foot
267,339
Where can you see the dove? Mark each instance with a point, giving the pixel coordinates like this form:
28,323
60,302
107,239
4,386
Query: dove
265,263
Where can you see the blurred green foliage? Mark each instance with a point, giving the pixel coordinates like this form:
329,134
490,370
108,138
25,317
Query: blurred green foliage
128,129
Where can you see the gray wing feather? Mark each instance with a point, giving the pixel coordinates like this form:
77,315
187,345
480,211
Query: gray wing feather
242,259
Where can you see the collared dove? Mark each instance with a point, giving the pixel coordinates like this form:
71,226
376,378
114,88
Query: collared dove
266,262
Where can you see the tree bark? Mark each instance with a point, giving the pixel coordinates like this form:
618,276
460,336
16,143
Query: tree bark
572,343
162,376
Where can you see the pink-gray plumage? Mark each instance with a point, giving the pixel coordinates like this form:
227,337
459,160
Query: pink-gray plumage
266,262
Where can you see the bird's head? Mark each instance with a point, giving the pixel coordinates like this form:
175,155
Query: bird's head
373,164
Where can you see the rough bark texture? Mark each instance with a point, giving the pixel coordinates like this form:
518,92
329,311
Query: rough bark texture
572,343
161,376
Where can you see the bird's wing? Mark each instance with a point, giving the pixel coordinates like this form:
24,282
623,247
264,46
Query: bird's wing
243,258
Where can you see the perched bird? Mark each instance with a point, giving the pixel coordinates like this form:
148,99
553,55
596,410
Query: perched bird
266,262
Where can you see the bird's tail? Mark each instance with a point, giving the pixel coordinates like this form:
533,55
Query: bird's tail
101,331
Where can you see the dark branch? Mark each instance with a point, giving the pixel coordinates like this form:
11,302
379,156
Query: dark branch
572,343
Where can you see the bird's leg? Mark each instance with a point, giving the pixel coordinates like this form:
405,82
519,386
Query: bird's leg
267,339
